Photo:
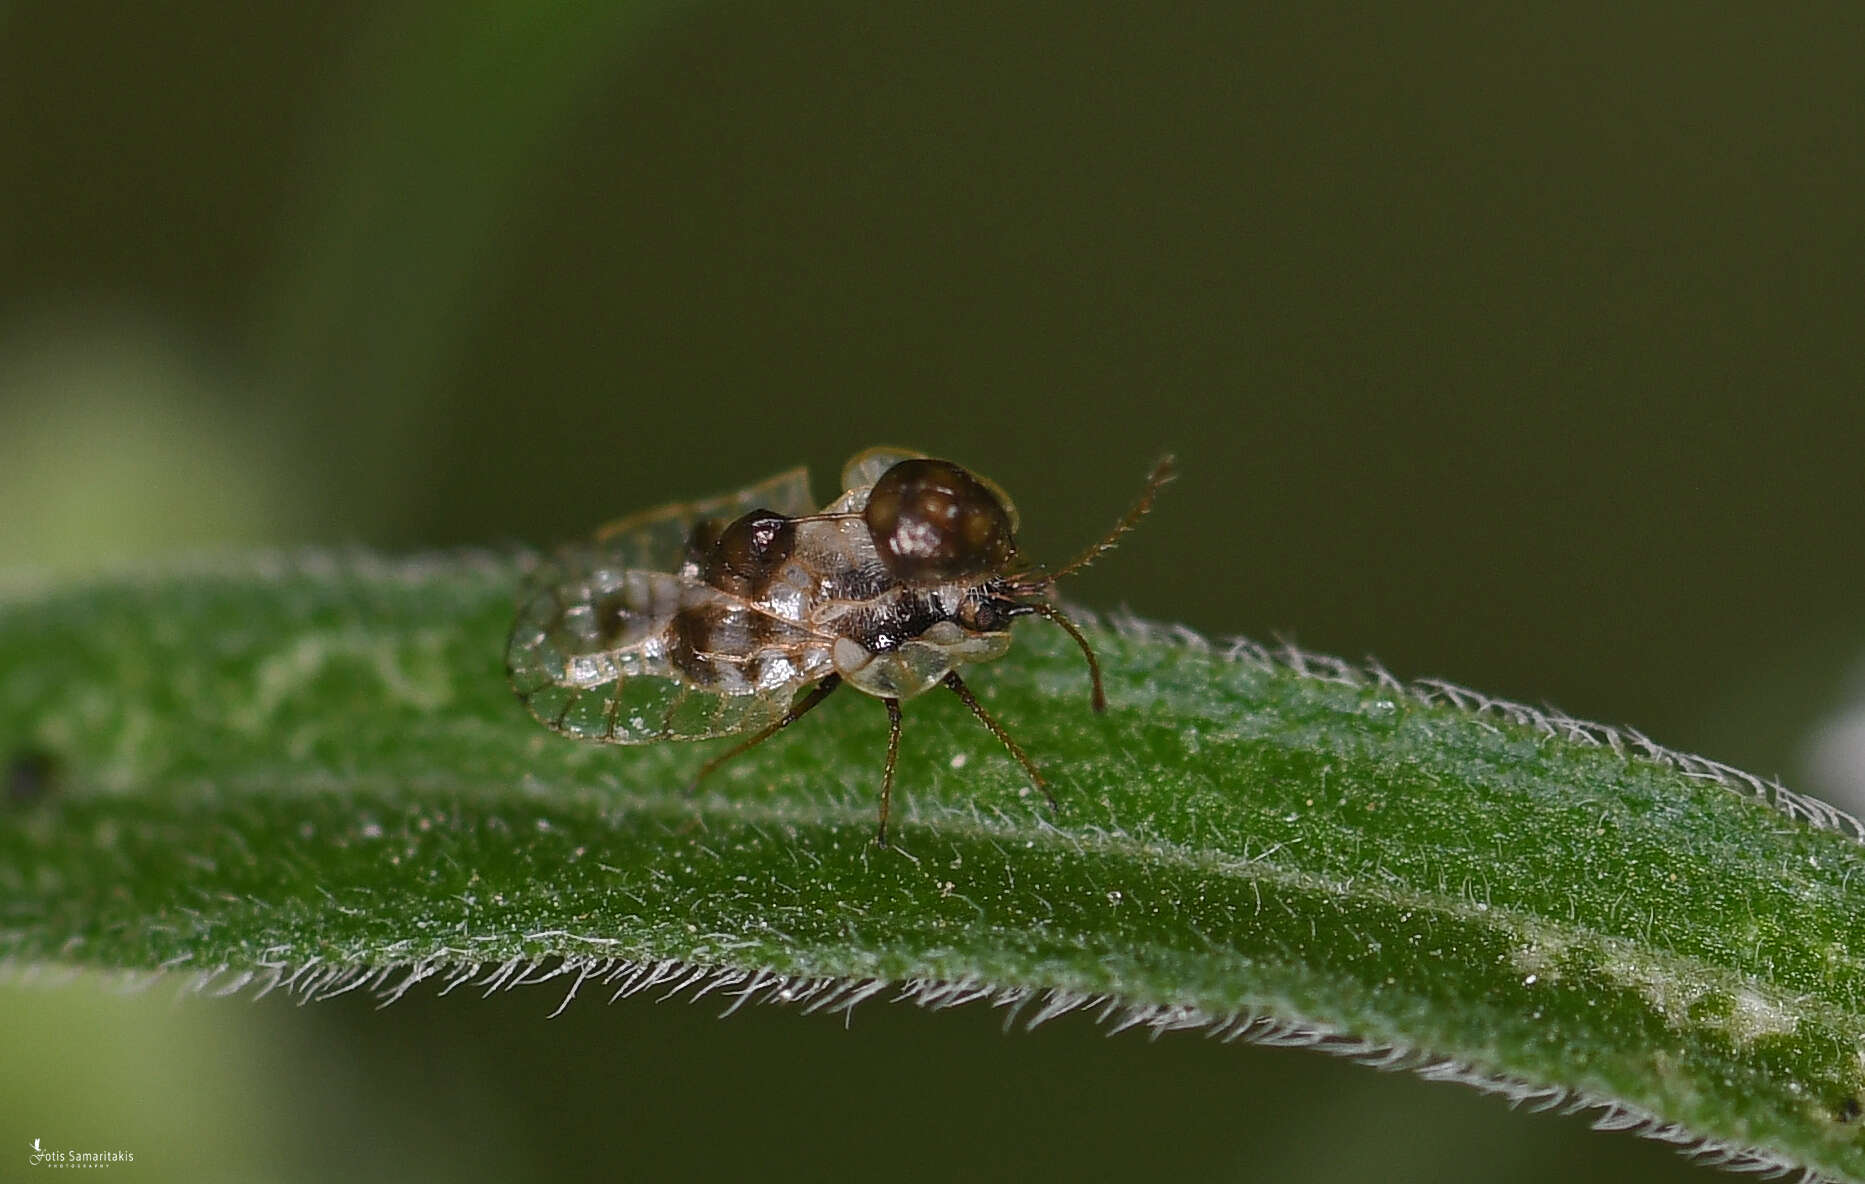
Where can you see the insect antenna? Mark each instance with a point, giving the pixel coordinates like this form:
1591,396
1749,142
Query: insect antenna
1162,472
1041,584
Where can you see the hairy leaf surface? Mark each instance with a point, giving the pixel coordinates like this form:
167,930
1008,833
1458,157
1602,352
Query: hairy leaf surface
306,771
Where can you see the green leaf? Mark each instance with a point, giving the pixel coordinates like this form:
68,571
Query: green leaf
307,772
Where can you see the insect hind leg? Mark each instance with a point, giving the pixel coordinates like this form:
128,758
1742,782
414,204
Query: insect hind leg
797,711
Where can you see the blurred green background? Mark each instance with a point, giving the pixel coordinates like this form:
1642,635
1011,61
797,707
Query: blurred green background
1519,347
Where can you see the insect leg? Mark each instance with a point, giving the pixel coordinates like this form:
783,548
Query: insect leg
1036,778
1050,612
887,777
765,733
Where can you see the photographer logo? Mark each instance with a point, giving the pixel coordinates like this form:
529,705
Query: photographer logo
52,1157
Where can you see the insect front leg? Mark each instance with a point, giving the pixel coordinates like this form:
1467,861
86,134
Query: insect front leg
984,717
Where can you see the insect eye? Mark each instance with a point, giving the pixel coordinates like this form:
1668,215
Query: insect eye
750,549
982,614
930,520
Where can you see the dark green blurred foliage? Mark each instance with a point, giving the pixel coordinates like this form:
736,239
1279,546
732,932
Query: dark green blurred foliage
1516,347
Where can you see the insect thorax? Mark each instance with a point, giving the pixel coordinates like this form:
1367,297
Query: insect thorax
902,643
800,599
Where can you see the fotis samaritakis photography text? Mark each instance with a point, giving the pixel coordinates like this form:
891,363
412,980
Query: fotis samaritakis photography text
54,1156
833,590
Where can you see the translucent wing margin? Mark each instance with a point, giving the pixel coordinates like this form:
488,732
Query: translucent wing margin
865,467
655,540
641,709
588,656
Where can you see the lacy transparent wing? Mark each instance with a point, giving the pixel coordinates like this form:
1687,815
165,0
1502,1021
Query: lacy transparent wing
588,656
643,709
655,540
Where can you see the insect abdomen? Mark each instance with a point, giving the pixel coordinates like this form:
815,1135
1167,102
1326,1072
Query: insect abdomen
733,650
